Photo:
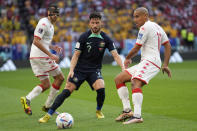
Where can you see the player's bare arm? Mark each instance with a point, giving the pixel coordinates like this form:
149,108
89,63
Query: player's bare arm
131,54
73,63
118,59
36,42
167,54
56,48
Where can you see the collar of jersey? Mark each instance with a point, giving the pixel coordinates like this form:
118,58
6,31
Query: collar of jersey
96,35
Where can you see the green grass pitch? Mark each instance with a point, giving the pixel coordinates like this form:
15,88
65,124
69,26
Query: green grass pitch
169,104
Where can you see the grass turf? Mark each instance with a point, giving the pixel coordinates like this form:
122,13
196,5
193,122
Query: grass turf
169,104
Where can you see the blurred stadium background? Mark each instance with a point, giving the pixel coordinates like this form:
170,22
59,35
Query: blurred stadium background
19,18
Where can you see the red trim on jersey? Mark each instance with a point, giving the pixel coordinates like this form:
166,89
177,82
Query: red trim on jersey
139,75
38,57
41,75
37,36
55,87
154,64
137,90
165,42
44,24
142,71
120,85
138,44
128,73
140,80
147,64
51,69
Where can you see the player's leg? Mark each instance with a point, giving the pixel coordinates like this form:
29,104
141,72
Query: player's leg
137,98
58,80
95,80
100,89
72,84
123,93
45,84
70,87
144,72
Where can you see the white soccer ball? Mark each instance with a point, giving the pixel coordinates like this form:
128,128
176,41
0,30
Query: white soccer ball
64,120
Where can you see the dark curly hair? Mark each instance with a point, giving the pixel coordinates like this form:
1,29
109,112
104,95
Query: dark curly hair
95,15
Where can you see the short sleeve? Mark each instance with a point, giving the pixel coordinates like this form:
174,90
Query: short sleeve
110,44
80,43
164,38
40,30
142,36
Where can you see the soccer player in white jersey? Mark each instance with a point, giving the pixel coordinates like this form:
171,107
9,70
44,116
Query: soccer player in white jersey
43,62
150,37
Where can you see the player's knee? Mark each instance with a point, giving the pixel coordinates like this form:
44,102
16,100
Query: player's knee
99,84
118,80
136,84
70,89
60,78
132,83
48,85
70,86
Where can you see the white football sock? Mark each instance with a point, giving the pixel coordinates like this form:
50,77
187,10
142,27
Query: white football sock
137,99
124,96
35,92
53,92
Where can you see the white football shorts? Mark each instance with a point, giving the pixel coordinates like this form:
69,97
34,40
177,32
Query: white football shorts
43,67
143,71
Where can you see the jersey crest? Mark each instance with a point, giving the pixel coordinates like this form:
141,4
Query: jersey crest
101,46
40,30
140,35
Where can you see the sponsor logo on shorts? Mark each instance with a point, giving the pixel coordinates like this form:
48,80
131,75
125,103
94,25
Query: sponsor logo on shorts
75,79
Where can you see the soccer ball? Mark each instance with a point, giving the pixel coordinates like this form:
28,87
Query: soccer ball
64,120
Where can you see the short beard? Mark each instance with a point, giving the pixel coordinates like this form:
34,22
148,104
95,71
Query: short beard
96,31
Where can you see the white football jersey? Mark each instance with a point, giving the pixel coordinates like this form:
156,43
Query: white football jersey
151,36
45,31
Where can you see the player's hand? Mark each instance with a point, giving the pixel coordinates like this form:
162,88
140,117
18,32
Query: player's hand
165,69
123,68
57,49
127,62
54,57
70,75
